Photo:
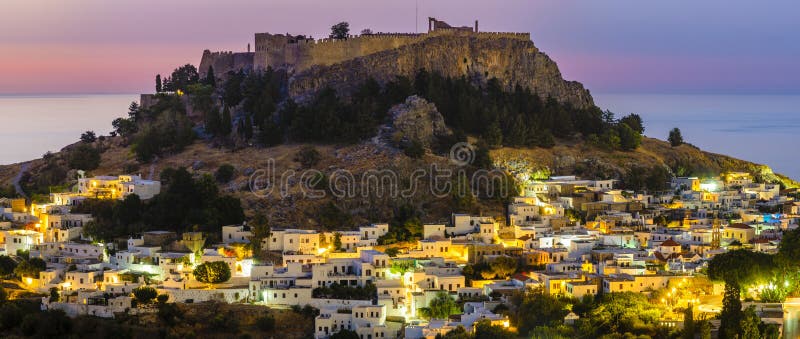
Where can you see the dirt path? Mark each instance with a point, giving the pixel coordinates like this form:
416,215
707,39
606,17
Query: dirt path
17,178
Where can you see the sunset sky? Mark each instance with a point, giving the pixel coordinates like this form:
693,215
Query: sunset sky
103,46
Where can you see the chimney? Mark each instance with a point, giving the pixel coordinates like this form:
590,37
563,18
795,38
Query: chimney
476,26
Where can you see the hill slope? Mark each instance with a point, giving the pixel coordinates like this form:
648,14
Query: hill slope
298,210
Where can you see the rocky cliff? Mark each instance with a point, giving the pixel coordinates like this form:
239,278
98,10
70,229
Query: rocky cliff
512,61
417,120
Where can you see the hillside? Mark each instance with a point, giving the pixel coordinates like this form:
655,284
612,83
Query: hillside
496,90
296,211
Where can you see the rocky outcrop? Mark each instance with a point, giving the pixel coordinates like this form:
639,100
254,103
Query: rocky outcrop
512,61
418,120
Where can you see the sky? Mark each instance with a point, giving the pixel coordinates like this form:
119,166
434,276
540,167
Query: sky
612,46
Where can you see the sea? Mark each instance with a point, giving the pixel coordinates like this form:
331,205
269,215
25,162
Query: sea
760,128
764,129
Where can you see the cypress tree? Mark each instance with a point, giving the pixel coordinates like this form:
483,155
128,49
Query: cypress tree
158,83
248,128
240,129
271,134
226,125
213,122
211,80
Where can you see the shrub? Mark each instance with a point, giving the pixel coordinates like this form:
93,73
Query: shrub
414,150
308,157
162,298
7,265
224,173
212,272
84,157
88,137
675,138
265,323
145,294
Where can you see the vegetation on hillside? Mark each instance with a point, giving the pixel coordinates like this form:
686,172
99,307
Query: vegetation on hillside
518,118
185,204
774,276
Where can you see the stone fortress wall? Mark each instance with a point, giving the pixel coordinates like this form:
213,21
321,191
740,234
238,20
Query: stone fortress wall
343,64
298,53
278,51
224,62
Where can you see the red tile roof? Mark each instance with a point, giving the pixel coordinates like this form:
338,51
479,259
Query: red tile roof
740,226
670,242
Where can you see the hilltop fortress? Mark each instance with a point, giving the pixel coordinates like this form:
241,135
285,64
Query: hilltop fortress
452,51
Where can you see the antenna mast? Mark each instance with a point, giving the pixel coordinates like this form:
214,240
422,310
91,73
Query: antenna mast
416,16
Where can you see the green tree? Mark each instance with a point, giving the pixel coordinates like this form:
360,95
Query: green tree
457,333
610,139
124,127
84,157
688,323
158,83
401,266
789,250
629,139
485,330
226,126
162,299
212,272
54,296
308,157
337,241
145,294
634,121
483,158
750,324
184,76
535,308
213,122
731,314
340,30
392,251
260,229
624,312
675,138
740,268
271,133
88,137
224,173
493,135
210,79
415,150
503,266
462,197
30,268
247,128
7,265
442,306
265,323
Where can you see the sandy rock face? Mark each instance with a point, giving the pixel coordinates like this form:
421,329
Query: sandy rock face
512,61
416,119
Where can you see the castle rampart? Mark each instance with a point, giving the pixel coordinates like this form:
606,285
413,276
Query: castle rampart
224,62
279,51
300,53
